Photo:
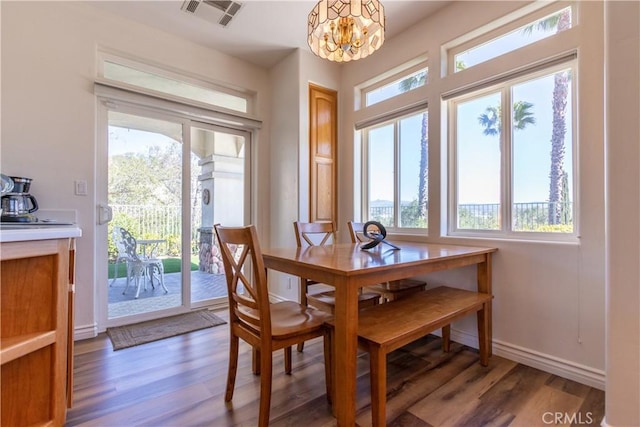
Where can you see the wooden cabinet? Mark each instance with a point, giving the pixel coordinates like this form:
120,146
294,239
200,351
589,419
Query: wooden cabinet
323,154
35,331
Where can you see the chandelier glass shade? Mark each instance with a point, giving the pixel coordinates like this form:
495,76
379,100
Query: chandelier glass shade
346,30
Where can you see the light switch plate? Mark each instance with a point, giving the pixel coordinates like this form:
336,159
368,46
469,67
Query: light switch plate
81,188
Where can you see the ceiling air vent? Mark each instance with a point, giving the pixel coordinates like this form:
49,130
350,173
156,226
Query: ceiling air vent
217,11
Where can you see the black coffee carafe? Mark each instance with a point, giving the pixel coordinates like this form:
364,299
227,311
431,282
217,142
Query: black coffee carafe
18,205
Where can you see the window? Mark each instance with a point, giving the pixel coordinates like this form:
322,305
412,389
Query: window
534,30
395,147
396,87
166,83
396,172
513,149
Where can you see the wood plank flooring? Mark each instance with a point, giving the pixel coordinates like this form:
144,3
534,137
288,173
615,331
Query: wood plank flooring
181,381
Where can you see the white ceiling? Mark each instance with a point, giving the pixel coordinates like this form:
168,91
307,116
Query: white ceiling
262,32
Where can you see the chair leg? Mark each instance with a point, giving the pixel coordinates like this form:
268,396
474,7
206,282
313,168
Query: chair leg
138,274
161,273
255,361
129,271
144,274
378,373
446,338
266,367
483,335
303,301
115,272
149,271
287,360
328,365
233,367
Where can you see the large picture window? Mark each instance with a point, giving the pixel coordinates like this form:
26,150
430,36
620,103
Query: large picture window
513,151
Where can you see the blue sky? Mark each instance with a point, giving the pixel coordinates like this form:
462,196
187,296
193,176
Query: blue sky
479,155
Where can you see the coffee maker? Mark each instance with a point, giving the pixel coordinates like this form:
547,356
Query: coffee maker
18,205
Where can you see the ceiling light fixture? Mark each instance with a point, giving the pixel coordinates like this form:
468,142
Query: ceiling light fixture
346,30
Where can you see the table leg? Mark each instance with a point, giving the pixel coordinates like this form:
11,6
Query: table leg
345,347
484,285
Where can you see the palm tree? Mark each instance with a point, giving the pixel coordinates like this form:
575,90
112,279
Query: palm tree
491,119
423,178
560,21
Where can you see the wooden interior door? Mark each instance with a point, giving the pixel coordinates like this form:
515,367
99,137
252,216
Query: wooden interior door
323,136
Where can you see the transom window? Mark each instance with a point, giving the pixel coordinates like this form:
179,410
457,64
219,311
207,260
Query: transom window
164,82
396,87
481,50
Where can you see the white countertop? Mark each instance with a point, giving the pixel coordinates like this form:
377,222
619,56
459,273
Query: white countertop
17,233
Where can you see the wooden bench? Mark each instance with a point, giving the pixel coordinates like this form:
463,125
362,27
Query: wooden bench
387,327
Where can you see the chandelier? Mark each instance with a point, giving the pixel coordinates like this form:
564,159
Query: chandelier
346,30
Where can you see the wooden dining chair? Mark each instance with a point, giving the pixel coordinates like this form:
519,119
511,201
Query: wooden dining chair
388,291
318,234
265,326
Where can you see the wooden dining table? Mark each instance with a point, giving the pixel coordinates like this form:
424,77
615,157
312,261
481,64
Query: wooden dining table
347,268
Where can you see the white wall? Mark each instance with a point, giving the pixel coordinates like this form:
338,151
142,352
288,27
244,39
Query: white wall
549,297
623,214
49,109
284,180
290,150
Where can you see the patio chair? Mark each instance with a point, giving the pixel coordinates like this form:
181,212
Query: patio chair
121,257
137,266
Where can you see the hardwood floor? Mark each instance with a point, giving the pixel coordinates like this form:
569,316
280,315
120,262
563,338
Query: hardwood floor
181,381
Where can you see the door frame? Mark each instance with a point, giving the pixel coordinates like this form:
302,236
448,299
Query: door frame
104,105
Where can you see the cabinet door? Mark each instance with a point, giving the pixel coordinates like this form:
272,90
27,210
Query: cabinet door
33,318
323,197
70,324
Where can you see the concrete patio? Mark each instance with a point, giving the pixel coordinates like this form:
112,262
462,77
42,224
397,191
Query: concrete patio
203,286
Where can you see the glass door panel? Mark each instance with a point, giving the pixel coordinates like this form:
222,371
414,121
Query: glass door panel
218,196
145,194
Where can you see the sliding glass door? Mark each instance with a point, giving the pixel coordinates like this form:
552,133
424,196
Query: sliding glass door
145,170
168,181
218,195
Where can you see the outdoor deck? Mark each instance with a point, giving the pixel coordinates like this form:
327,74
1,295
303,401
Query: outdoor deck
203,286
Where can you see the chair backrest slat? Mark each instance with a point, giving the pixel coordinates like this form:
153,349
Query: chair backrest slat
307,231
356,231
125,243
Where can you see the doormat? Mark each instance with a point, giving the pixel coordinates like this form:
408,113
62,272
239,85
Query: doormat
154,330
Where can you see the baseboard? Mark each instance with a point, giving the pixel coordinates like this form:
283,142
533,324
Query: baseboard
545,362
85,332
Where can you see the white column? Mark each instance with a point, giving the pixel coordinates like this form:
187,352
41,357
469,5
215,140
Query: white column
622,45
